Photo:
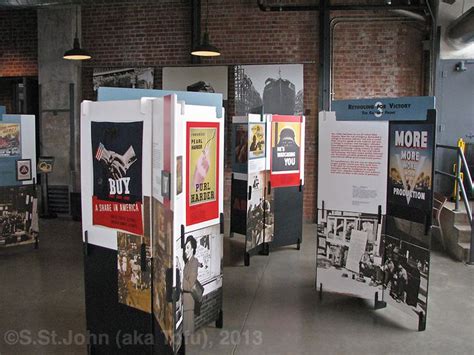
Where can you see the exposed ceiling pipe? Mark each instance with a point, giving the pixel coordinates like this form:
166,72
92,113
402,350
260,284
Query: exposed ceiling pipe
461,31
263,6
410,14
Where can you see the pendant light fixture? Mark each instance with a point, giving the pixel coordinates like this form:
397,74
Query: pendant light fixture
205,48
76,53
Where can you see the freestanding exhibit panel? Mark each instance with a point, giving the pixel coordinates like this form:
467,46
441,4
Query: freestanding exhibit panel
18,195
375,201
267,181
152,206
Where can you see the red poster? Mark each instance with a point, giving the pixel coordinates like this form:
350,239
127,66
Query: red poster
117,167
202,172
285,158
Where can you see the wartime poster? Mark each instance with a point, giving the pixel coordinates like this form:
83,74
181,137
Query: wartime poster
162,264
201,267
239,147
202,172
10,151
286,142
406,267
259,212
134,271
18,215
256,140
410,175
349,253
117,175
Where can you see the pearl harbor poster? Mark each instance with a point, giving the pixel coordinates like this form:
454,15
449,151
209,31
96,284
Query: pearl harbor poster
276,88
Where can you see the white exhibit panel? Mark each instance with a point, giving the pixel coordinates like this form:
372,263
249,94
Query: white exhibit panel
352,164
114,115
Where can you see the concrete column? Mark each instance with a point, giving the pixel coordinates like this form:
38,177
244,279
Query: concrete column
59,113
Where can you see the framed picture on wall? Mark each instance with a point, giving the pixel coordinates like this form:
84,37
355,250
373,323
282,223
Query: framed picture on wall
23,169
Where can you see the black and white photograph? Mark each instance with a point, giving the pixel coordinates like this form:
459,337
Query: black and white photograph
136,78
276,88
18,215
198,79
349,253
406,272
260,215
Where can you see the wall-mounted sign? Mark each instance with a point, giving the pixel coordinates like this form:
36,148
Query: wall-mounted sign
23,169
383,109
45,164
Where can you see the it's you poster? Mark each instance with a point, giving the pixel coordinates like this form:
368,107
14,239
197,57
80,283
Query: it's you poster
410,172
285,160
202,172
117,169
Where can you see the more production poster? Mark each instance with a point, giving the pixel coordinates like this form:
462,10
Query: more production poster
410,178
18,215
349,253
10,151
202,170
286,143
134,273
117,175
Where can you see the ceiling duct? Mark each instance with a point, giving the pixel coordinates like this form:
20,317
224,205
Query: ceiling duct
461,31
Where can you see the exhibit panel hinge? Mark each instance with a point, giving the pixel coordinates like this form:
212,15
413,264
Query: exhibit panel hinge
301,185
269,187
250,193
143,257
221,222
379,214
182,236
86,243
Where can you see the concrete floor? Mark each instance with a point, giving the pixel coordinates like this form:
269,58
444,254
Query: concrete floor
270,307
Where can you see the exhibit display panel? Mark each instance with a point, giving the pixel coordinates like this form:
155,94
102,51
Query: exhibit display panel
375,201
18,194
267,149
141,184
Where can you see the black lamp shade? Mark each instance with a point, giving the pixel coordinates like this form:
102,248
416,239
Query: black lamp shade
205,49
76,53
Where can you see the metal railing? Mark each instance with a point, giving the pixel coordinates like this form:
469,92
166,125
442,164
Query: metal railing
460,188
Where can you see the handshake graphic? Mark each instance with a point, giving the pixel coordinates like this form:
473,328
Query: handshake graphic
117,165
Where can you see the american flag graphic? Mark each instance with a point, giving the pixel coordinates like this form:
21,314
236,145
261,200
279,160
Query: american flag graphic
100,151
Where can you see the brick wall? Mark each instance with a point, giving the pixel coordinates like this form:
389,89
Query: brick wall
143,33
6,96
18,43
377,59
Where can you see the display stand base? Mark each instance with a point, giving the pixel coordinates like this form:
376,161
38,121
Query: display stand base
247,259
421,321
220,320
320,291
182,348
36,242
265,250
49,216
298,244
379,304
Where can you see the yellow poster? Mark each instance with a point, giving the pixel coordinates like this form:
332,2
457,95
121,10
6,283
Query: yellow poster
286,142
9,139
257,140
203,165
